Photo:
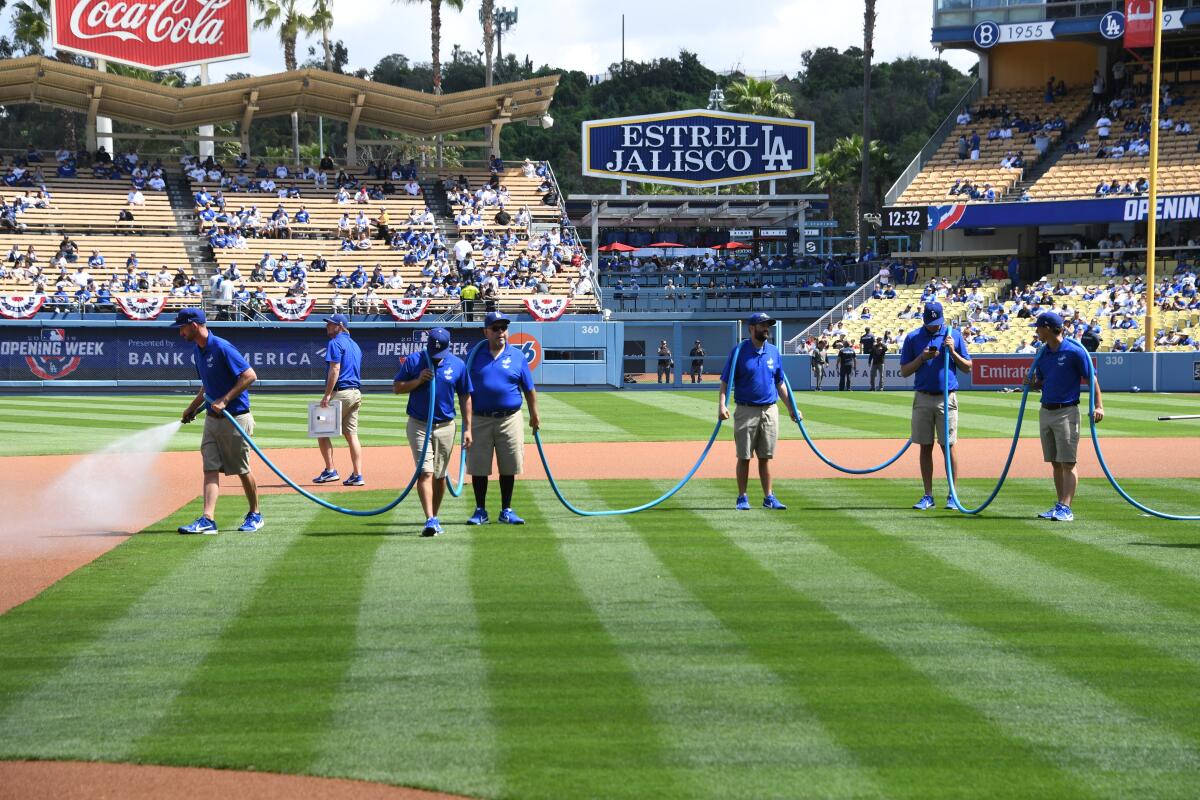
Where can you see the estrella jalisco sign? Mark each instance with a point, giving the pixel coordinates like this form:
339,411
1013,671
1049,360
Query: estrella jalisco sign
698,148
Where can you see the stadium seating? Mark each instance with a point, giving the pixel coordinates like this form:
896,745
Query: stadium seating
944,168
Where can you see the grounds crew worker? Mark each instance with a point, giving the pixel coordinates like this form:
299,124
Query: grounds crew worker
499,377
224,376
757,386
921,355
1061,368
343,385
413,379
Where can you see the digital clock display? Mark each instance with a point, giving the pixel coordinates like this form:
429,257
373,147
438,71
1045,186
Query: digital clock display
910,218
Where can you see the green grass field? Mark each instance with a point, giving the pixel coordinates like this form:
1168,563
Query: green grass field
35,425
845,648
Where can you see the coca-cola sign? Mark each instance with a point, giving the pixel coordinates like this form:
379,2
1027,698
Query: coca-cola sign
157,34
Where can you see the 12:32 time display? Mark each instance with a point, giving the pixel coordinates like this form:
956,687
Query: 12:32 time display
909,218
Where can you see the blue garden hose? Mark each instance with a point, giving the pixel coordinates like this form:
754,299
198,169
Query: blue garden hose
456,490
946,366
1104,465
325,503
537,437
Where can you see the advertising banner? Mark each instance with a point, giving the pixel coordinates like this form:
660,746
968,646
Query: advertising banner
1063,212
697,148
1139,23
156,35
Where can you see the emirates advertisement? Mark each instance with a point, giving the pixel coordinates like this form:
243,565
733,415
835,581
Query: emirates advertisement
156,35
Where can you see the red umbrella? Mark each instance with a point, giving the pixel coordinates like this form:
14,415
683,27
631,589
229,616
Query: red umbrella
729,246
665,244
616,247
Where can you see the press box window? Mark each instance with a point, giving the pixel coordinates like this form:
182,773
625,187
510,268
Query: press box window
572,355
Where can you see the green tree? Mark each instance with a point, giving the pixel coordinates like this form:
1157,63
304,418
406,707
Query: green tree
321,19
284,15
864,184
435,34
752,96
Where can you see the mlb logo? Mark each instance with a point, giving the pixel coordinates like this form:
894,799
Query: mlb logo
54,334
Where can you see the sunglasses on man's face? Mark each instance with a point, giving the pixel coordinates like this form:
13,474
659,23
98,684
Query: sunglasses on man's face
498,328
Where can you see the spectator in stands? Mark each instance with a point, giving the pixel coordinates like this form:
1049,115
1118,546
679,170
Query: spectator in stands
1103,127
135,197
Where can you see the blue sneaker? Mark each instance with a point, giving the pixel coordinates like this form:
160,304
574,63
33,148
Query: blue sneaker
201,525
252,522
326,476
772,502
743,503
509,518
1063,514
924,504
480,517
432,527
354,480
1050,514
950,503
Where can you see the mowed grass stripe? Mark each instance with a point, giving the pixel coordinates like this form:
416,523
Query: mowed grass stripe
732,723
1134,652
633,419
566,423
118,687
570,717
413,707
1108,749
44,636
890,716
264,695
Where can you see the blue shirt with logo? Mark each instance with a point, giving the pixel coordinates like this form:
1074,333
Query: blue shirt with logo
756,375
452,380
220,365
497,383
1061,371
345,351
929,376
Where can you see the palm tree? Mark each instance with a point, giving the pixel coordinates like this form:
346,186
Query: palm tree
321,19
752,96
487,16
31,24
864,183
291,23
435,34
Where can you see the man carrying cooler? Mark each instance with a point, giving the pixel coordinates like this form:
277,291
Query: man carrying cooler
921,355
413,379
757,386
1059,372
343,385
224,376
499,377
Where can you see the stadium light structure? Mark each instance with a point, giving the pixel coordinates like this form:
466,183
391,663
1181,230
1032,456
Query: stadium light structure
716,99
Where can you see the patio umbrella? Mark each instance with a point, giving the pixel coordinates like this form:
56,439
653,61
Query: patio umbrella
665,244
616,247
729,246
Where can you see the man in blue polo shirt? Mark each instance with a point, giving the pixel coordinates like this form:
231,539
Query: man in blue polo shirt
499,377
413,379
343,384
921,355
757,386
224,376
1062,366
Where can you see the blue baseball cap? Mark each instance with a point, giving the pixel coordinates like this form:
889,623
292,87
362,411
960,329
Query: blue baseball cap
339,319
759,318
187,315
438,342
1050,319
933,314
493,317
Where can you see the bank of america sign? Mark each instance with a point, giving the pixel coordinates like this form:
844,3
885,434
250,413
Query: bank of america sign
697,148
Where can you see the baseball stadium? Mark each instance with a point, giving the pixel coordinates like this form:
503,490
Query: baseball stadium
465,428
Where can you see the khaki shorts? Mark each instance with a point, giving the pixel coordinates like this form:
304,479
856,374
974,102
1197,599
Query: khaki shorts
437,456
927,414
1060,434
222,448
504,436
351,400
755,431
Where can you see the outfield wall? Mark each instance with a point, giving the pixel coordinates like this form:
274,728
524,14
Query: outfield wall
106,355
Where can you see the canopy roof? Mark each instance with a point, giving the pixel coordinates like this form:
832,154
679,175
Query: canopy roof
311,91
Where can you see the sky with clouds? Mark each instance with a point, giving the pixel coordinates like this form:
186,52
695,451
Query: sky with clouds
758,37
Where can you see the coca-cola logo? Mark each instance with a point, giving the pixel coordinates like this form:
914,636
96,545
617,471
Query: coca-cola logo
154,34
